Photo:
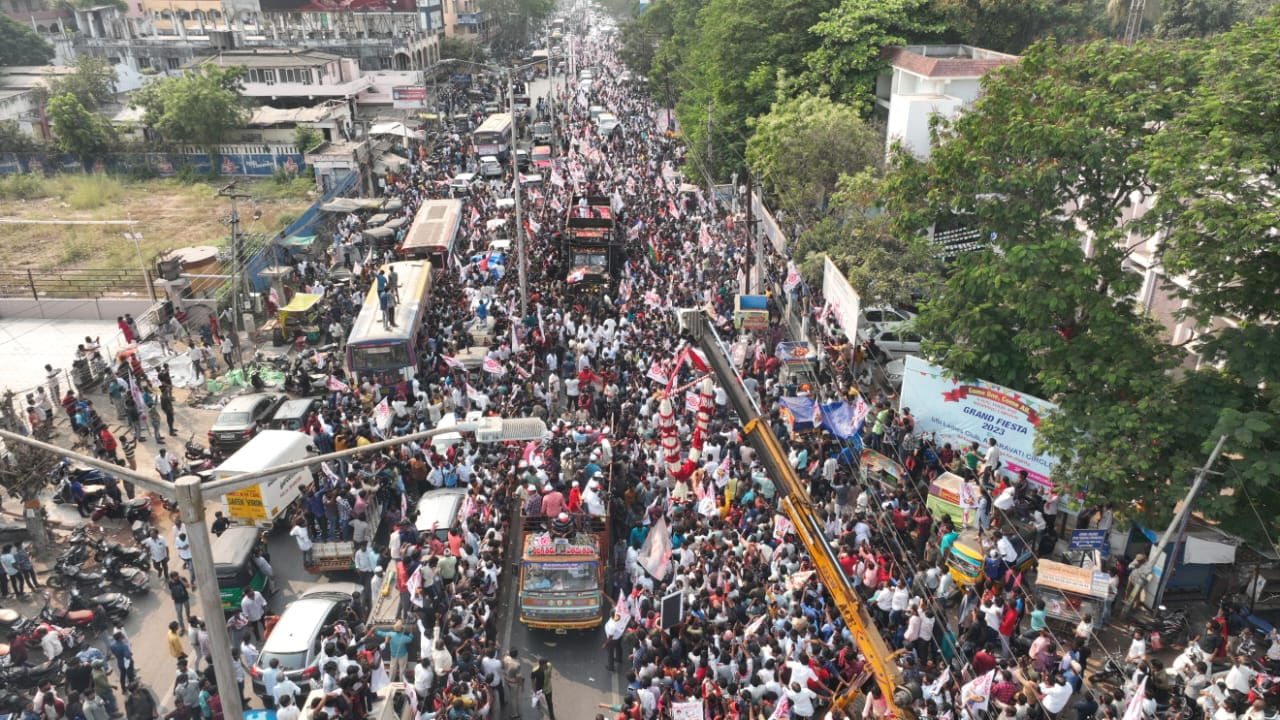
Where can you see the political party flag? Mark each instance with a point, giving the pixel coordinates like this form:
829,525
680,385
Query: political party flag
382,415
860,410
1134,710
524,374
793,278
493,367
413,585
333,383
976,694
782,710
533,226
704,237
657,374
655,257
451,362
754,626
671,208
651,298
655,553
691,401
555,204
475,215
934,689
576,275
634,232
515,341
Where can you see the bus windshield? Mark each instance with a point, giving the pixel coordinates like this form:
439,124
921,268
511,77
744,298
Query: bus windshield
559,576
370,358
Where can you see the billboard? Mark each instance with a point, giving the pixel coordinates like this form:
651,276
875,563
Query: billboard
339,5
962,411
408,97
842,299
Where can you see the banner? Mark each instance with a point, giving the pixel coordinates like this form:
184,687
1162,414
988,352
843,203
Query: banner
793,278
691,710
842,299
655,553
963,411
976,694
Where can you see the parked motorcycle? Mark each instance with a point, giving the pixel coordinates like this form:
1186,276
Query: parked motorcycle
1164,626
115,606
92,482
129,510
127,578
67,575
194,451
28,677
71,617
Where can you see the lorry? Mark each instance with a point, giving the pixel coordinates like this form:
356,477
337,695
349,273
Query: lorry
339,556
271,501
561,580
589,240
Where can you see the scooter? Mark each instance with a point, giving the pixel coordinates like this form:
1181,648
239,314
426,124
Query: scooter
67,575
129,510
196,452
129,579
92,483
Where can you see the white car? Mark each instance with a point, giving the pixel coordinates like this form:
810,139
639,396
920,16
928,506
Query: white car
878,318
606,123
596,111
461,183
898,342
490,167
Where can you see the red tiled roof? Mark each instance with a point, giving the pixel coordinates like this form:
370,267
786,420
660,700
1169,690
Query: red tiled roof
942,67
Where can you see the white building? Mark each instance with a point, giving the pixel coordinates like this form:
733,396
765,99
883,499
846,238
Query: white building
928,80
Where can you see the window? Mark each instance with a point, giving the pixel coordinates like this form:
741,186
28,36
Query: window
172,63
144,63
266,76
301,76
113,60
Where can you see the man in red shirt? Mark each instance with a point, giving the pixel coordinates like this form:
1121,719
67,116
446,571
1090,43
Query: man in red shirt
108,445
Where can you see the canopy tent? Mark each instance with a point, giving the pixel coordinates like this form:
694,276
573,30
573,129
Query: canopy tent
396,129
377,220
351,204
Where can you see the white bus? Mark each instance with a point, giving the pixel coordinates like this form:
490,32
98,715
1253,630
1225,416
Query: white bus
433,232
373,349
493,137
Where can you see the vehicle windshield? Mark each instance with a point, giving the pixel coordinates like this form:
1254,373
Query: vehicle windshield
559,577
288,661
232,418
380,357
590,260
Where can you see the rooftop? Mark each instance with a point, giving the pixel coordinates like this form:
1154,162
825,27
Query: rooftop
269,58
947,61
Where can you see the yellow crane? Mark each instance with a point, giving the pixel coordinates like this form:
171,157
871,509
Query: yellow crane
794,502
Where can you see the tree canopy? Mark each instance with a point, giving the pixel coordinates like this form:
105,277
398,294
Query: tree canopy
77,130
93,83
201,106
19,44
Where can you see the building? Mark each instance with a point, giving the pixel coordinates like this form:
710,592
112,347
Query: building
928,80
292,78
465,20
22,97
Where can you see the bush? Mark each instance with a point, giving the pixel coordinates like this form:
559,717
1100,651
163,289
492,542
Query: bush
87,192
24,186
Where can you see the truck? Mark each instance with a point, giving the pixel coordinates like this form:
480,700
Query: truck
329,557
272,500
590,243
561,580
794,502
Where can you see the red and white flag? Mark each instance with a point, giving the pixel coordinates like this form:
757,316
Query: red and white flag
691,401
656,373
576,275
451,362
493,367
793,278
704,238
333,383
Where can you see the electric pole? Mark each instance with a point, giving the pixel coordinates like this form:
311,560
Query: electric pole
230,192
753,232
1140,578
515,173
711,187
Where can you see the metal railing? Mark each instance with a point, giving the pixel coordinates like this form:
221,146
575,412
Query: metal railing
74,283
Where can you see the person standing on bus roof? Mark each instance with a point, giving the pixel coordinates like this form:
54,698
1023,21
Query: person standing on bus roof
393,283
386,298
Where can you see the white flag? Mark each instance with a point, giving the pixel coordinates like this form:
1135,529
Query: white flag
1134,710
976,694
655,553
793,278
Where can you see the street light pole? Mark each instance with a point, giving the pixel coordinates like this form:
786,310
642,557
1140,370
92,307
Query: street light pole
515,171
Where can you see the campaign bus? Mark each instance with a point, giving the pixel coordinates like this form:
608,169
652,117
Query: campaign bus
493,137
433,232
375,348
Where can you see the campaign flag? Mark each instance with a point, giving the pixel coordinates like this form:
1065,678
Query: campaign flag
557,179
451,362
860,410
1134,709
654,256
493,367
515,341
691,401
333,383
634,232
655,553
413,585
754,626
657,374
782,710
382,415
576,275
651,298
704,238
793,278
934,689
781,526
976,694
524,374
615,202
533,225
555,204
475,215
671,208
796,581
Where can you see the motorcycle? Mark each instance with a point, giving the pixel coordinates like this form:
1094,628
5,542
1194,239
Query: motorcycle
195,452
64,617
1165,626
50,671
66,575
115,606
1112,672
129,510
127,578
92,483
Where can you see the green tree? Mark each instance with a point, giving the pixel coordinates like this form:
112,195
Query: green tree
1047,163
1198,18
851,37
200,107
460,49
803,145
511,22
19,45
13,139
93,83
1012,25
78,131
743,51
1218,230
306,138
883,266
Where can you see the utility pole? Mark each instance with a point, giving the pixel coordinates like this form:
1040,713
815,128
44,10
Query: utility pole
515,172
711,187
759,236
230,192
1140,578
758,263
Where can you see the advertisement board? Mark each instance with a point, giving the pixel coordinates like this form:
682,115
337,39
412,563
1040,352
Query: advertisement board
966,411
408,97
842,299
339,6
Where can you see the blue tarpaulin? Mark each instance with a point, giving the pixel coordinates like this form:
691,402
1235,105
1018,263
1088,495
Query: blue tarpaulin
837,419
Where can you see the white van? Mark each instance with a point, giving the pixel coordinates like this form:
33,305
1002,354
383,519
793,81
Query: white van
490,166
270,500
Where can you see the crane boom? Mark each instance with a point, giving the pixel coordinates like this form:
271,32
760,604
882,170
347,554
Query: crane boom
798,508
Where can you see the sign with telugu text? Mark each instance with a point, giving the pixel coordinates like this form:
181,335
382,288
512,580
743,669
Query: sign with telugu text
965,411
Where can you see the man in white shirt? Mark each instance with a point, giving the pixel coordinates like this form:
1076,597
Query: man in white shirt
1055,697
1007,551
1137,648
801,700
614,628
254,607
991,460
1239,677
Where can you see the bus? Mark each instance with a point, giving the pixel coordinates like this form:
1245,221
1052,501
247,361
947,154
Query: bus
373,348
493,137
433,232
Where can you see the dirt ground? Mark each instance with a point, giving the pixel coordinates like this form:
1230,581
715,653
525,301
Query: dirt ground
169,214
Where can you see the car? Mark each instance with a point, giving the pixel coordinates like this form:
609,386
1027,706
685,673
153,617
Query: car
542,156
438,511
596,111
293,413
878,318
898,342
522,160
625,76
606,123
542,132
295,639
490,167
461,183
241,419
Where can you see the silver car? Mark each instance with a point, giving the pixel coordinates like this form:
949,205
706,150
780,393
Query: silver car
295,639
